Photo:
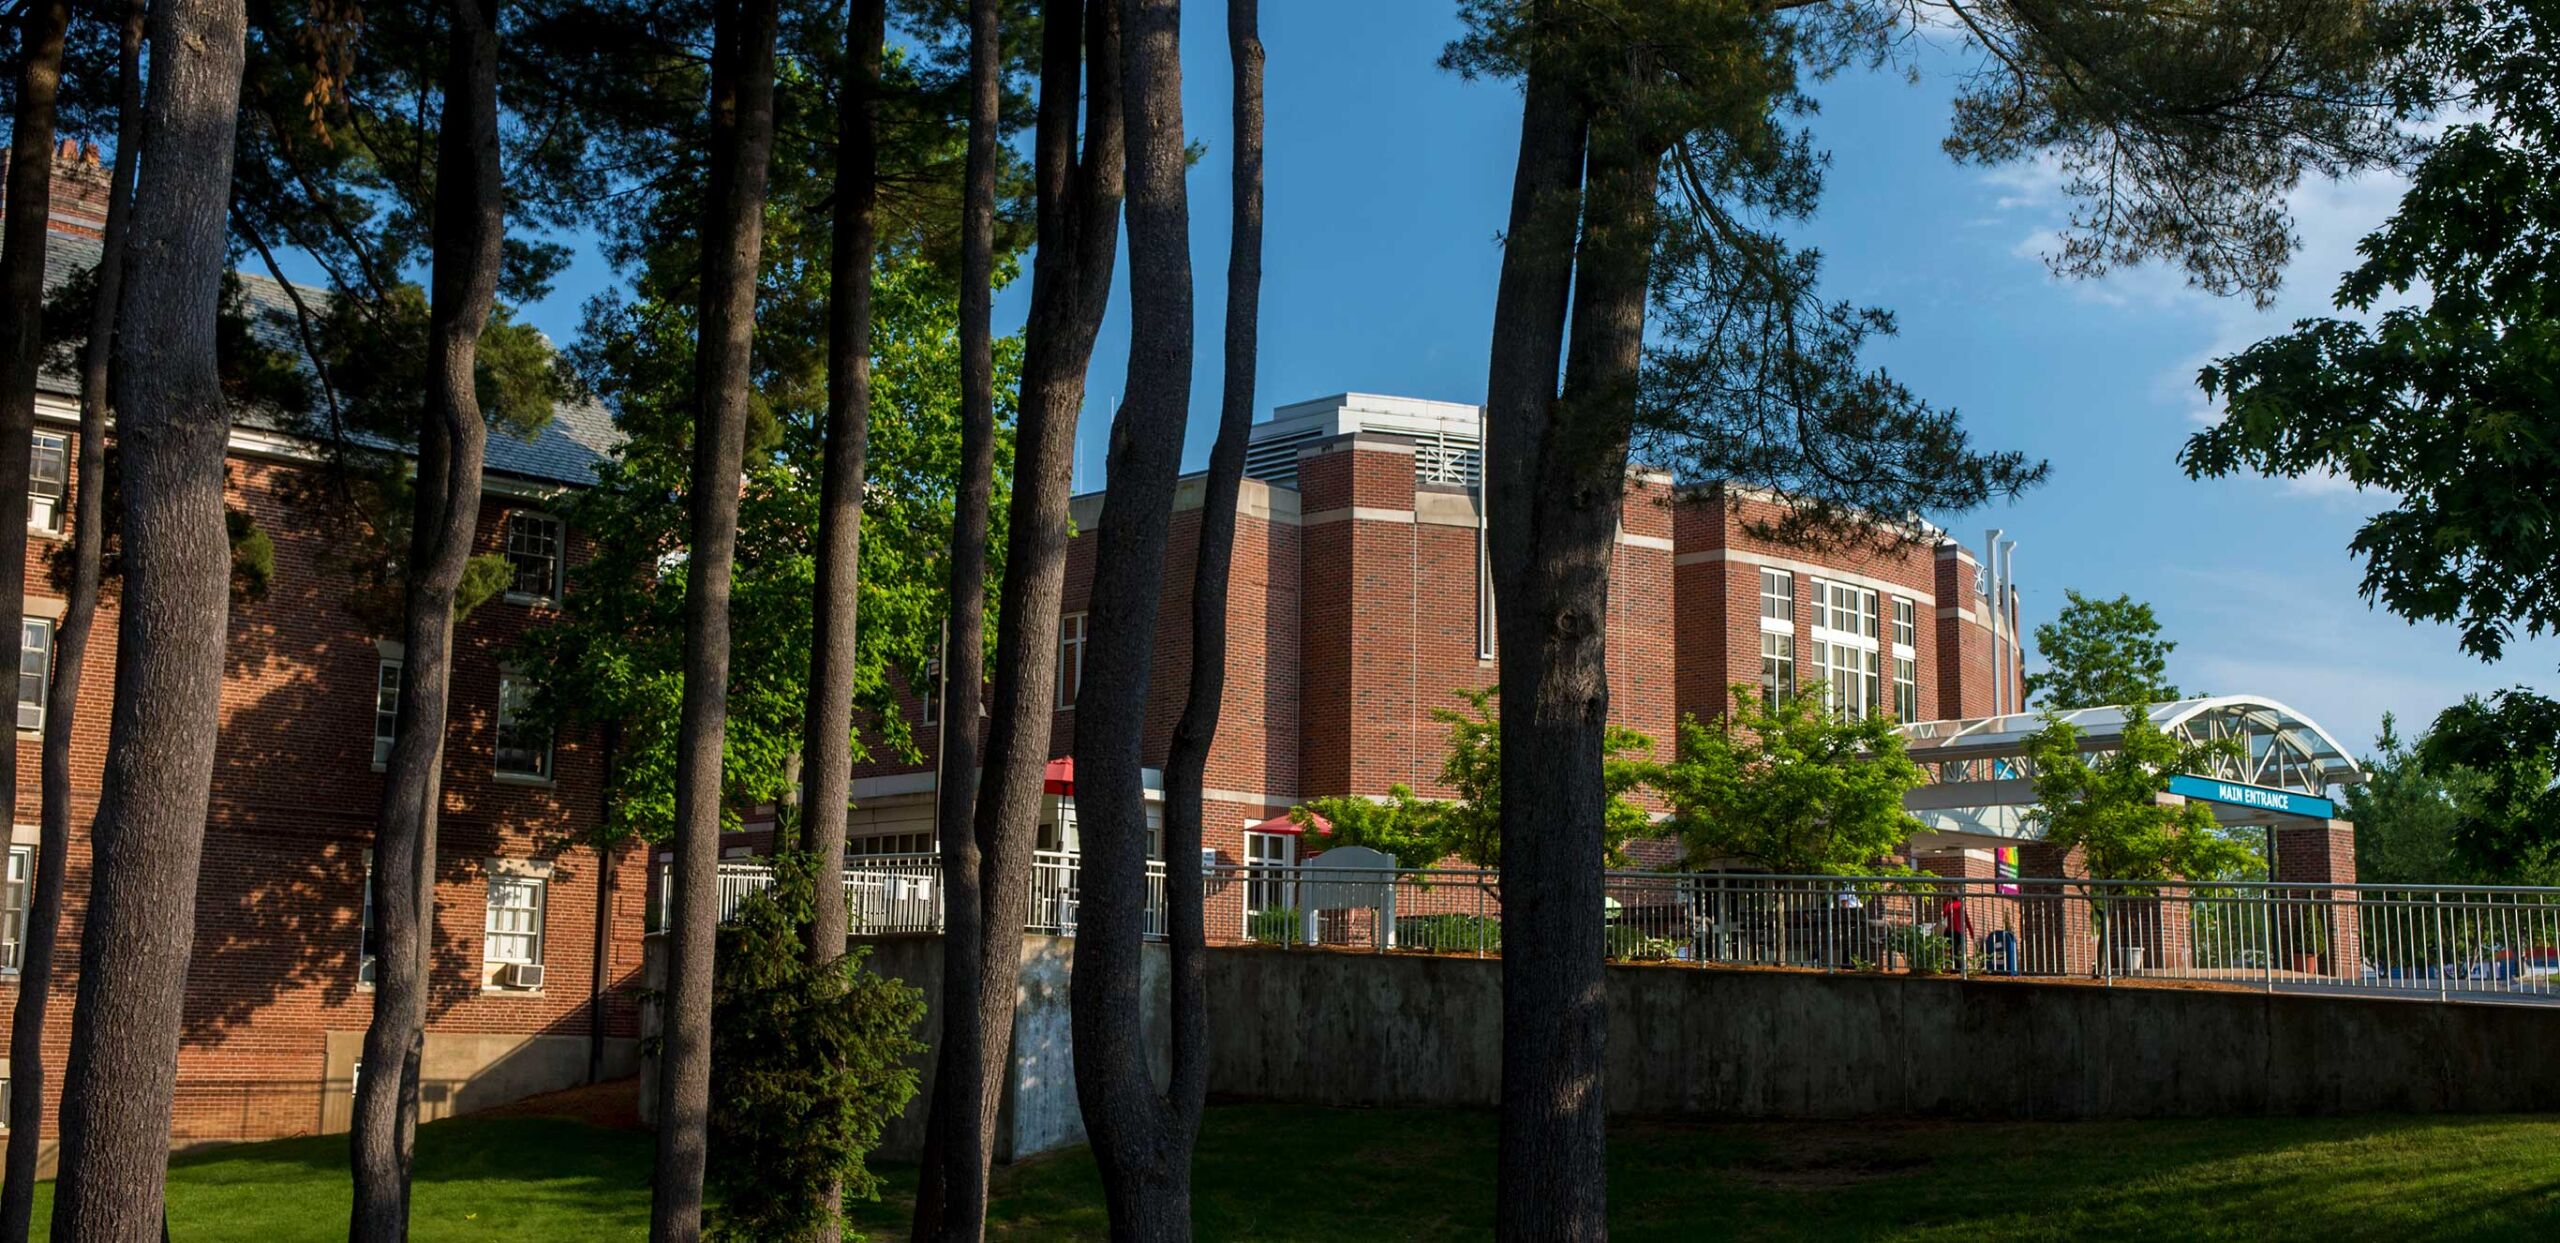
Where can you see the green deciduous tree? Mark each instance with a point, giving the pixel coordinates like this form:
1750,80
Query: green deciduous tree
1791,787
2436,397
2109,806
2431,392
1421,832
2100,652
2411,815
2504,751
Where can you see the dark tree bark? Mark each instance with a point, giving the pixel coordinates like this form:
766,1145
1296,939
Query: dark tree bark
38,61
741,151
1186,765
1139,1140
27,1113
1559,469
149,831
827,742
1552,1166
470,230
951,1203
827,748
1078,208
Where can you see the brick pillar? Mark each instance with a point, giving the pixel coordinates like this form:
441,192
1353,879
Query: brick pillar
2053,921
2315,855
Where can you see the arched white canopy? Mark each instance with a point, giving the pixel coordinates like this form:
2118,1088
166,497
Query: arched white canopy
1980,781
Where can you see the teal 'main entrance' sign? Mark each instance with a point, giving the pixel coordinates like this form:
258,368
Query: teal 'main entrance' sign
2290,803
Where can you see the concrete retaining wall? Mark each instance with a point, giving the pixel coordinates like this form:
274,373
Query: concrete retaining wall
1350,1029
1038,1112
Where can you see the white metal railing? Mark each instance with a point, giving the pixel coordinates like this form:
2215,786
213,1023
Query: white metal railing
2447,941
903,892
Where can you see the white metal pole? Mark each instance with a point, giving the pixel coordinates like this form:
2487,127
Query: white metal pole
1991,602
2009,620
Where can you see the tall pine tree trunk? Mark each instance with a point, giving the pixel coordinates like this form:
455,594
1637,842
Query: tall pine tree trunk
827,742
1078,210
741,150
958,1177
27,1113
1562,479
1144,1159
470,229
1186,765
40,29
149,831
1551,1167
827,746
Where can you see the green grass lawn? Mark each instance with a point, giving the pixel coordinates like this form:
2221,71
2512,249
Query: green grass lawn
1317,1174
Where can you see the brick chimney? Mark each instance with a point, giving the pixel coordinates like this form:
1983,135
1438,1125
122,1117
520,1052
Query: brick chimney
79,204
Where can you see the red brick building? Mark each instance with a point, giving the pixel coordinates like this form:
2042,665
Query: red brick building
1361,602
535,932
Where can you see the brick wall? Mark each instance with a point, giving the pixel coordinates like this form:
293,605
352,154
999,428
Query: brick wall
294,801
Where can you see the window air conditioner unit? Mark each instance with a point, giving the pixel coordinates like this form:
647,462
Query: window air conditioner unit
521,975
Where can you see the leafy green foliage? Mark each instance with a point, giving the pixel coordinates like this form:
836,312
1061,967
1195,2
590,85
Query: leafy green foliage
253,556
1421,832
2102,652
2108,806
2440,406
620,642
2506,751
808,1065
2419,810
1791,786
1403,825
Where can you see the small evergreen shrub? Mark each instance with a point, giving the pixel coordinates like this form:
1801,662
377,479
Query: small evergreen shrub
807,1066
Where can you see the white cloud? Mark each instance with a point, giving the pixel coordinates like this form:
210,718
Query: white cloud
2329,219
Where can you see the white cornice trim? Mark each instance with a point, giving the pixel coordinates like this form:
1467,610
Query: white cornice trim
1655,542
1808,569
1357,513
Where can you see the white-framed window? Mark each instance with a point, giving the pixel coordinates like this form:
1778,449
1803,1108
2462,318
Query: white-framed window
386,710
1845,609
524,744
1264,853
912,842
514,931
931,691
35,669
1847,661
533,554
48,481
14,895
1906,660
1777,666
1070,658
1850,677
1777,600
368,943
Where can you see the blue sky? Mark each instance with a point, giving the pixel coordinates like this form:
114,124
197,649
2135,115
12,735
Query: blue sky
1387,180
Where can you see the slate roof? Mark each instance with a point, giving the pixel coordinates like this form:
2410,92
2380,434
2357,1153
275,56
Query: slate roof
567,450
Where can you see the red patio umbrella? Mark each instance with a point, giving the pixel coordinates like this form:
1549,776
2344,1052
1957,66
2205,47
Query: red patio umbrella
1059,777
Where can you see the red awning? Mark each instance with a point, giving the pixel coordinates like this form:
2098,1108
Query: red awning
1059,777
1283,824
